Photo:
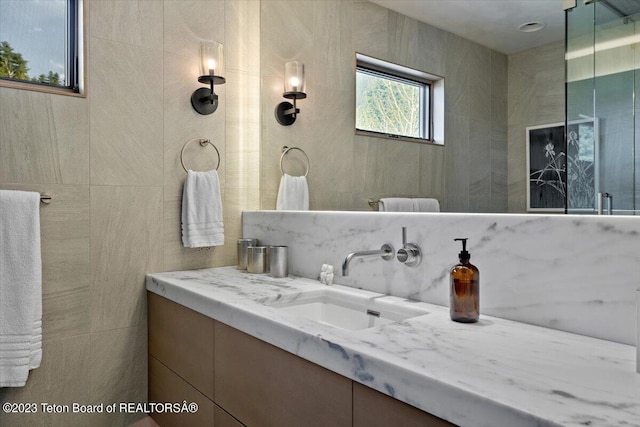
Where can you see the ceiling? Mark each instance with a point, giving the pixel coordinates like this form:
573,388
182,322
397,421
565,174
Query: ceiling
492,23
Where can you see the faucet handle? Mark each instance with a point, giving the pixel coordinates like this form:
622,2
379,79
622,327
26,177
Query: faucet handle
410,254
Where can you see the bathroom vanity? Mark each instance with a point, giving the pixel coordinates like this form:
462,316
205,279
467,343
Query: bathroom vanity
235,377
217,337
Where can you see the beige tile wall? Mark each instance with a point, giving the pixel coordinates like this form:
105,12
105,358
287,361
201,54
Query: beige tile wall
536,97
467,174
111,162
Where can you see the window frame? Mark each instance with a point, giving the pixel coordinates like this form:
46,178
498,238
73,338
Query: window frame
76,63
428,82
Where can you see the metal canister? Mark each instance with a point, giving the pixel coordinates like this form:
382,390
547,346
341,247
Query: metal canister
257,259
278,262
243,245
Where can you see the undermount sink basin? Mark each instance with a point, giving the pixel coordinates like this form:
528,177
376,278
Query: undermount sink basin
346,308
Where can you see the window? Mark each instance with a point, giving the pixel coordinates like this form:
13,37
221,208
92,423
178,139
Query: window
394,101
392,105
41,45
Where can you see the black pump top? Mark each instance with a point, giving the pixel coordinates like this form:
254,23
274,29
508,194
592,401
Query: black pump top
464,254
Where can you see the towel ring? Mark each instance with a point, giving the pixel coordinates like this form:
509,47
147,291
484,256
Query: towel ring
203,143
286,150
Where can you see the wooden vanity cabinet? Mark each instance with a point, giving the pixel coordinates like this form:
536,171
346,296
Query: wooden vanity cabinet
182,339
238,380
263,385
374,409
181,362
166,386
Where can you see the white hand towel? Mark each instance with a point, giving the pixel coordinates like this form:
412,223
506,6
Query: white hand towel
20,286
293,194
426,205
395,204
202,224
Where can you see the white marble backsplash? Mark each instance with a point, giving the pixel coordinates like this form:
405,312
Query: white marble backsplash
573,273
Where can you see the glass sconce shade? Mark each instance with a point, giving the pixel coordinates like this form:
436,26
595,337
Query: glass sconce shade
211,63
294,88
294,84
204,100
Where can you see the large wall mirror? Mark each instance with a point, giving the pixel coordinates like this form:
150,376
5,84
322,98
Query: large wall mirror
491,96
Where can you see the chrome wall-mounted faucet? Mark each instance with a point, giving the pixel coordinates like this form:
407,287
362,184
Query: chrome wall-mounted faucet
410,254
385,252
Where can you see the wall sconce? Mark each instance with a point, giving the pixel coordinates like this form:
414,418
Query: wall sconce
204,100
293,89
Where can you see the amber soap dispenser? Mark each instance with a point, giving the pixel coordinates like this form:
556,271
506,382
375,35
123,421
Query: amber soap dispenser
465,288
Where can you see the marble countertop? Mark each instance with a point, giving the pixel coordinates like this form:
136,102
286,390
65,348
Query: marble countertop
490,374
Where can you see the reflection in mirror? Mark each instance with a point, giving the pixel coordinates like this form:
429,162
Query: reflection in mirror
583,153
394,101
349,169
294,161
603,72
293,192
491,98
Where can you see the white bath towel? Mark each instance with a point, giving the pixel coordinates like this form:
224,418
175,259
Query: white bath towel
426,205
20,286
202,224
395,204
293,194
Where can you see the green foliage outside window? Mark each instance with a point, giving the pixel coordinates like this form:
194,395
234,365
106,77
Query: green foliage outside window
387,106
14,66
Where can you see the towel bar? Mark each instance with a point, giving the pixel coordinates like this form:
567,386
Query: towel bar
45,198
286,150
203,143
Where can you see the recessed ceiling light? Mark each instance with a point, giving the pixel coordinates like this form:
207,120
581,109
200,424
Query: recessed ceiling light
530,27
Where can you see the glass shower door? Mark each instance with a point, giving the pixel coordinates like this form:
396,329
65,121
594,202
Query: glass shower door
603,61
